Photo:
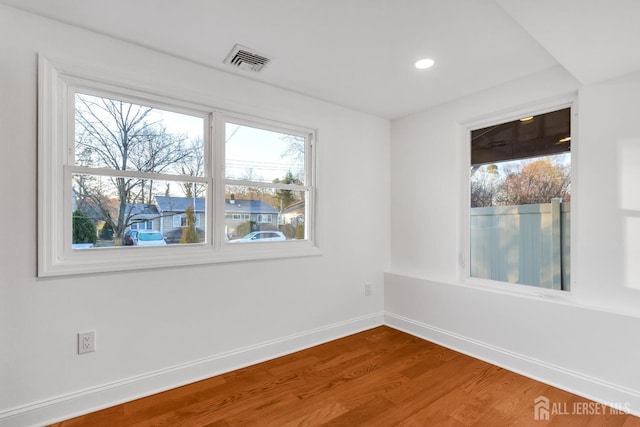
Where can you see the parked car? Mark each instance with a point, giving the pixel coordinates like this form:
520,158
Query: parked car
260,236
81,245
149,238
130,237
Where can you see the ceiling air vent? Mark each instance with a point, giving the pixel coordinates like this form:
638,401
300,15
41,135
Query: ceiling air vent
246,59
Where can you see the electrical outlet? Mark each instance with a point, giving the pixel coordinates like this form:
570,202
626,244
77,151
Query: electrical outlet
367,290
86,342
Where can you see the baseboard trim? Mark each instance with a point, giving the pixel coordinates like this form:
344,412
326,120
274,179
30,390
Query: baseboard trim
96,398
556,376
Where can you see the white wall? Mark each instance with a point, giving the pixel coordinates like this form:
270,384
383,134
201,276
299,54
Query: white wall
585,342
157,329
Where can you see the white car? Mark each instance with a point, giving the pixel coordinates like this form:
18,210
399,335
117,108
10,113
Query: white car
260,236
149,238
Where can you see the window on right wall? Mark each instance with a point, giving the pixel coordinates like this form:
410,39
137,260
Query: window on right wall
520,201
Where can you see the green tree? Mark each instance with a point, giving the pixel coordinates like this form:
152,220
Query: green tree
84,230
286,197
106,232
189,234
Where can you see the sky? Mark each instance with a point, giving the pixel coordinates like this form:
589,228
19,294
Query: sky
259,150
251,153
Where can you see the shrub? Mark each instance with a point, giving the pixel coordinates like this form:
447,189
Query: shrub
288,230
84,230
106,232
189,234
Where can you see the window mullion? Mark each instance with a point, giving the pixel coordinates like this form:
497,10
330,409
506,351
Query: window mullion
84,170
280,186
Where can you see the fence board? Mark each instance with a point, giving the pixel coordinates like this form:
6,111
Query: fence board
525,244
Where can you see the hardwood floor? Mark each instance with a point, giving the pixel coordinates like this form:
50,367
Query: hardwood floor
380,377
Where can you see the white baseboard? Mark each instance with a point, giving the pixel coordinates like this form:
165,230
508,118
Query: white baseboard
82,402
90,400
564,379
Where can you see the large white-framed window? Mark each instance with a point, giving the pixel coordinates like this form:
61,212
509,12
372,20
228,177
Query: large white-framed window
113,157
517,198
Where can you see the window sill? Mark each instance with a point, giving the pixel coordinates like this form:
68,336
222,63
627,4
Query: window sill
111,260
518,290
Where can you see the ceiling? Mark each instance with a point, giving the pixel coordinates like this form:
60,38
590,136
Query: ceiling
360,53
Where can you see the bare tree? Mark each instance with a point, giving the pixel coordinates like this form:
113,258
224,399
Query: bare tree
535,182
193,165
526,182
121,136
295,153
483,185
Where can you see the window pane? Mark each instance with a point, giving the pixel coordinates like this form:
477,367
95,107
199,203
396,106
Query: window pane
264,214
123,136
520,201
264,156
101,217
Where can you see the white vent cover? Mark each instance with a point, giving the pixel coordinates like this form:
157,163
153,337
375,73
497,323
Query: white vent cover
246,58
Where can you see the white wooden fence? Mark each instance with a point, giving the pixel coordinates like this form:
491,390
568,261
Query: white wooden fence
525,244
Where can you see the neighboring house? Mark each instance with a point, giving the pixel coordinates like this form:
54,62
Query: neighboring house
142,216
261,215
293,214
174,219
168,216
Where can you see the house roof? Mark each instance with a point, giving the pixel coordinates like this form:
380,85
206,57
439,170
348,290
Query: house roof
295,208
179,204
249,206
141,210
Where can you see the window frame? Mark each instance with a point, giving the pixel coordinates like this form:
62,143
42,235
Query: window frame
146,225
308,187
264,218
182,220
56,139
464,241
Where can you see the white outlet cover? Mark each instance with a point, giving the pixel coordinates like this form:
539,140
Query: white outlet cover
86,342
368,291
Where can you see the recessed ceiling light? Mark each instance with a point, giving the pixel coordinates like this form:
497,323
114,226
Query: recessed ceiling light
425,63
526,119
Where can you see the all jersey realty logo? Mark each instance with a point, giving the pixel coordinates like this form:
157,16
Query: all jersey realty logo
543,408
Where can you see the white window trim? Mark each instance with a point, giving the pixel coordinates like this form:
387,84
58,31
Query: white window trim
142,225
55,255
308,187
176,220
464,241
262,218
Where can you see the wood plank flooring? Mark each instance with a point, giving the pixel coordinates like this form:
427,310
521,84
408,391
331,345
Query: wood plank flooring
380,377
